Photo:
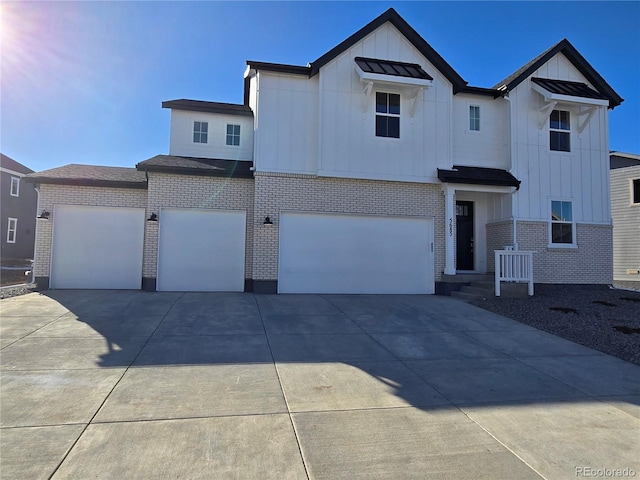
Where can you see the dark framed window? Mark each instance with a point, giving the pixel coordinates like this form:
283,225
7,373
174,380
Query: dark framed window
200,132
560,131
562,226
635,191
233,135
387,115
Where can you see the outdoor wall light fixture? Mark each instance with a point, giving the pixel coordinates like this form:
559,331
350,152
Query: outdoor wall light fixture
44,215
152,218
267,221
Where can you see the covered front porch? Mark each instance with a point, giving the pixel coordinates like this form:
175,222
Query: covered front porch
478,222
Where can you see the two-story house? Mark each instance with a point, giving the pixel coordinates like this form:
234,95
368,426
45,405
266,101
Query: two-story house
18,204
374,169
625,213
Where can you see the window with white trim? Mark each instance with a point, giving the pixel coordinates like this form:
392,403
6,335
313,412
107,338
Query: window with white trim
12,228
387,115
15,186
200,132
562,226
474,118
233,135
560,131
635,191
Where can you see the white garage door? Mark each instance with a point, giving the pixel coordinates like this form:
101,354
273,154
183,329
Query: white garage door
97,247
321,253
201,250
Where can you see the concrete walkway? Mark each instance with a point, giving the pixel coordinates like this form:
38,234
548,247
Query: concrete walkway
137,385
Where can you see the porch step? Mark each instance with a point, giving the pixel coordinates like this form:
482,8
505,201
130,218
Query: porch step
467,278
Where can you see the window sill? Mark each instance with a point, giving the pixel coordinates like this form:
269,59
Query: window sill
562,247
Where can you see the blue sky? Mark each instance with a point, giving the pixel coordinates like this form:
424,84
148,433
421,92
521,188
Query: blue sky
83,82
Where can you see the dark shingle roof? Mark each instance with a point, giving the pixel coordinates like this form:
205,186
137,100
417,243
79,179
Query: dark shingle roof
91,175
569,51
208,107
396,69
197,166
563,87
478,176
10,164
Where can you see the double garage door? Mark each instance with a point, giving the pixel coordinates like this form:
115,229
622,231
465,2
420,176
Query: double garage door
328,253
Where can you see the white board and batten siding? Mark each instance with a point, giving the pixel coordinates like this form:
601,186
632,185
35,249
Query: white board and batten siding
358,254
201,250
97,247
581,175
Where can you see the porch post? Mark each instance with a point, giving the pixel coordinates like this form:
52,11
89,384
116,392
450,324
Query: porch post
449,229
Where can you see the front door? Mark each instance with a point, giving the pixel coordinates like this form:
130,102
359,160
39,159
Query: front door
464,236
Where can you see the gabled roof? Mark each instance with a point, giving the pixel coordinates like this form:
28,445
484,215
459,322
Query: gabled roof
90,176
197,166
409,33
208,107
10,164
478,176
623,160
569,51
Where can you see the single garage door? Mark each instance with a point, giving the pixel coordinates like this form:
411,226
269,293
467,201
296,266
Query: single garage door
97,247
322,253
201,250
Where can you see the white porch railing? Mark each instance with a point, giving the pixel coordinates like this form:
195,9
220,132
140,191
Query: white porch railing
514,266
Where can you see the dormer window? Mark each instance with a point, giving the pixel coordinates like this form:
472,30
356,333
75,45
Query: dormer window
387,115
200,132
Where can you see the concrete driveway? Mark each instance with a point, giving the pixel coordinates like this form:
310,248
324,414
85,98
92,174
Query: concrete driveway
138,385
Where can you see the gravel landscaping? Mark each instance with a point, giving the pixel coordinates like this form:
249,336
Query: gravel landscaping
597,316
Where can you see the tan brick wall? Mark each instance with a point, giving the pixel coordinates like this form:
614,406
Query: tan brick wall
51,195
278,193
499,235
188,191
590,263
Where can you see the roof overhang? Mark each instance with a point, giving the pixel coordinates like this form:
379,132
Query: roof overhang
478,176
576,93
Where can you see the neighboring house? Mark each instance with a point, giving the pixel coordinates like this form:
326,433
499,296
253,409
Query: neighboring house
19,201
374,169
625,213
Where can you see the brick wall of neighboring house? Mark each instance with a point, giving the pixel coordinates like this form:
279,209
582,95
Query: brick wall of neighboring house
275,193
590,263
188,191
51,195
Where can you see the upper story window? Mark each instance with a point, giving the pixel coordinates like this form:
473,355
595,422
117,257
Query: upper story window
233,135
560,131
15,186
12,228
635,191
474,118
562,226
200,132
387,115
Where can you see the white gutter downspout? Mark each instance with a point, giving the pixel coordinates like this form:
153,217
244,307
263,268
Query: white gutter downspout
512,147
35,238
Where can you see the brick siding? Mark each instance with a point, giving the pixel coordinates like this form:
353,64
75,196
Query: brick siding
189,191
305,193
590,263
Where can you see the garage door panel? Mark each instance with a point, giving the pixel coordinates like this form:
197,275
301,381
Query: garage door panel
97,247
201,250
322,253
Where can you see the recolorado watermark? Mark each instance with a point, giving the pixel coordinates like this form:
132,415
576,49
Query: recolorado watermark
592,472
